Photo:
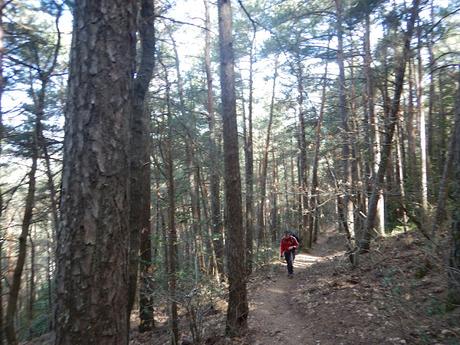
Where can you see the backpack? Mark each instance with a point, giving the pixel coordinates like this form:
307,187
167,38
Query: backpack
296,237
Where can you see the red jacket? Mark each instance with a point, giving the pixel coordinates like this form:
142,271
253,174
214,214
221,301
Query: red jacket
288,242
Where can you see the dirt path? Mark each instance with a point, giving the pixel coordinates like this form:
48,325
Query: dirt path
275,317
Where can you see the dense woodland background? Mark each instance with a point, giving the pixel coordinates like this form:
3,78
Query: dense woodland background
346,114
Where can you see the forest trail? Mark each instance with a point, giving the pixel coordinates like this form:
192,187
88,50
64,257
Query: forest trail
385,301
275,314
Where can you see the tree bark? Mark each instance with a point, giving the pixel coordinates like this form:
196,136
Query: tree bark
171,234
274,201
372,126
15,286
2,86
411,130
264,164
447,171
30,311
314,175
302,157
93,242
348,211
172,248
422,121
249,167
214,176
400,174
139,152
453,270
390,128
237,311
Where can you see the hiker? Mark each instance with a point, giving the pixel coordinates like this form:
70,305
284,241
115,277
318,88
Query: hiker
287,247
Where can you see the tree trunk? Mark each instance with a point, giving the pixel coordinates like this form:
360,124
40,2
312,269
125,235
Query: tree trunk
388,137
2,87
453,270
50,249
447,171
411,133
171,249
264,164
314,174
372,126
214,176
15,286
93,242
192,171
139,151
1,293
302,157
422,121
209,242
237,311
274,201
400,174
430,144
249,167
346,159
30,311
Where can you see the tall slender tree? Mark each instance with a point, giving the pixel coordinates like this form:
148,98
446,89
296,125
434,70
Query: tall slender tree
390,128
454,255
264,162
237,311
13,295
348,211
214,176
140,191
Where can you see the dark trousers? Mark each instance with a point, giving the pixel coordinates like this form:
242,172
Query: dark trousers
289,256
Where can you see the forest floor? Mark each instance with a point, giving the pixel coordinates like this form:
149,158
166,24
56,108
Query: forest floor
396,295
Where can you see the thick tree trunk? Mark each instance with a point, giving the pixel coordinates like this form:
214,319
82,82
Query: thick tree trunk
388,138
237,312
139,151
93,241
